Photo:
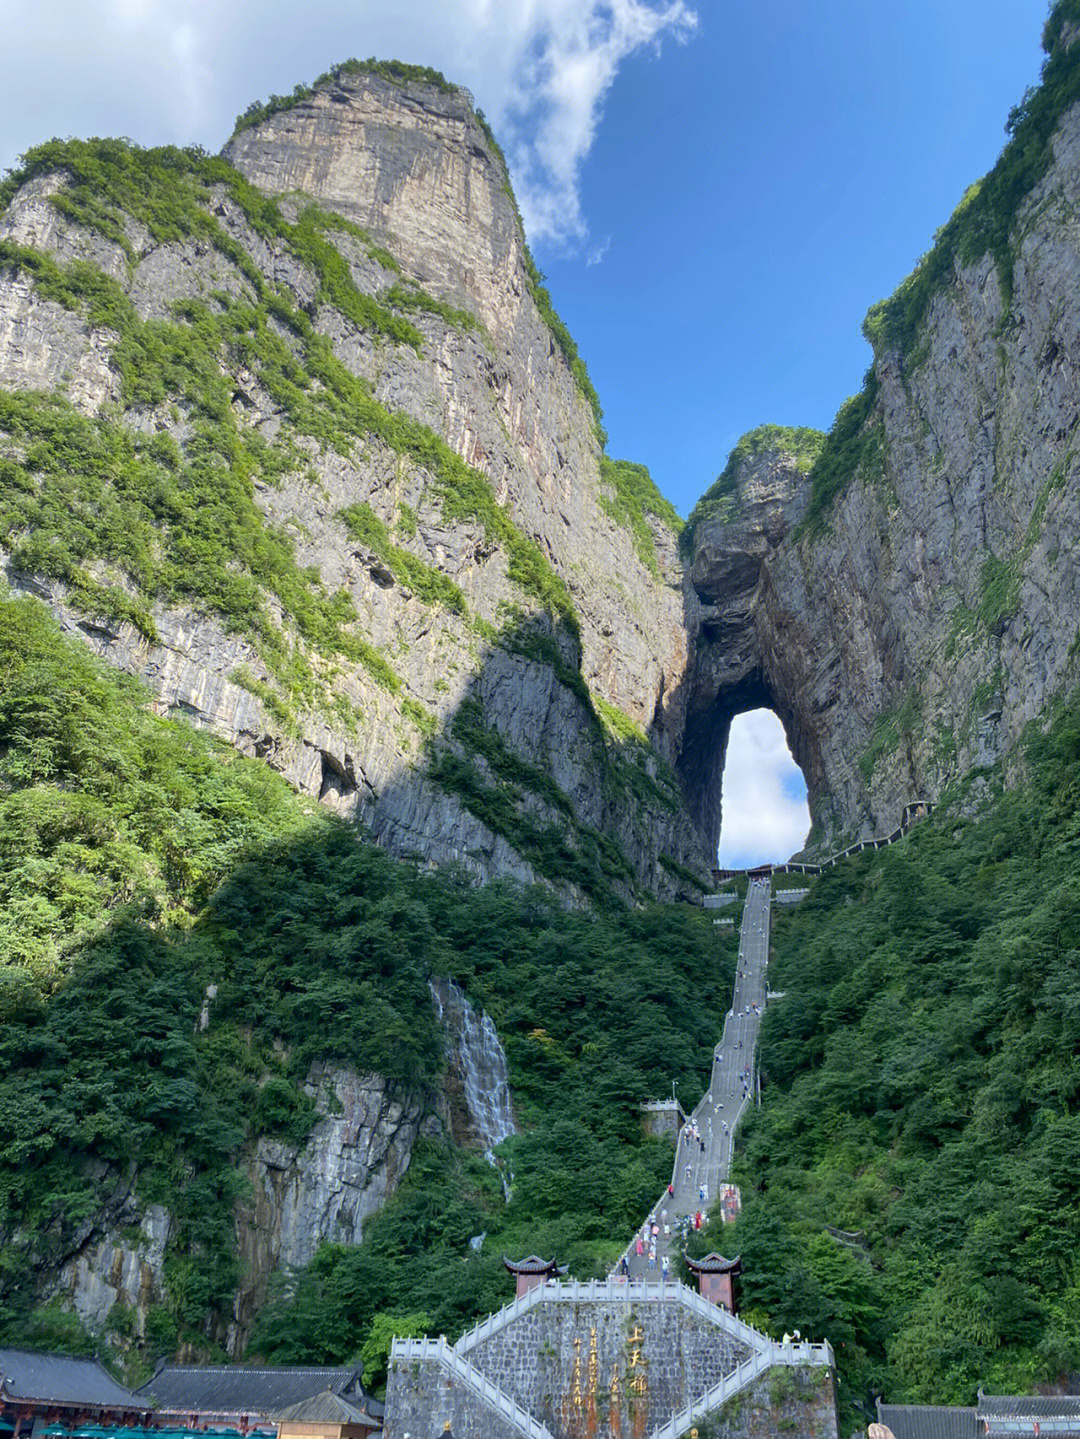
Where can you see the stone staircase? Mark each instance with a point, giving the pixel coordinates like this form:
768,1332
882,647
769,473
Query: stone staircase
490,1395
765,1352
741,1378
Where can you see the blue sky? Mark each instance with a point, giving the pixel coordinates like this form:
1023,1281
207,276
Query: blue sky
717,191
757,189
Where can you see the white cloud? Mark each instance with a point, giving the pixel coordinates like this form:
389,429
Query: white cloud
765,814
180,70
596,253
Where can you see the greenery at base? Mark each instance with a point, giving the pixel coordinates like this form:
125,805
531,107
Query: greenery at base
103,805
596,1013
801,444
911,1183
635,497
143,862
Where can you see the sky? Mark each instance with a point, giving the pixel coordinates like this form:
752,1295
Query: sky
765,814
717,190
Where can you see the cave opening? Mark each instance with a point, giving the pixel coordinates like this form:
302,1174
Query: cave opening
746,765
765,816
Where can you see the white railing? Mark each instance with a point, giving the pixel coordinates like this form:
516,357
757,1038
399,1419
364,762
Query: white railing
740,1377
499,1320
573,1291
439,1352
765,1352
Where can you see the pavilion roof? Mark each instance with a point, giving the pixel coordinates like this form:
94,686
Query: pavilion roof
326,1408
63,1380
715,1264
533,1264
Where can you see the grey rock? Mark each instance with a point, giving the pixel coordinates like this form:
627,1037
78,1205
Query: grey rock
883,644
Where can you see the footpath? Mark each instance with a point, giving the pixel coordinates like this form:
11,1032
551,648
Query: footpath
704,1149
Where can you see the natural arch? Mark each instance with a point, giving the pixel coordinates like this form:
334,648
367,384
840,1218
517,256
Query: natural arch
705,745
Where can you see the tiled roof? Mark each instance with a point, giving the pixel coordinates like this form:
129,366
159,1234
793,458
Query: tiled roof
325,1408
715,1264
1029,1406
928,1421
533,1264
239,1389
63,1380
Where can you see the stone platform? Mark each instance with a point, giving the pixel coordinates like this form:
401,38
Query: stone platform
604,1358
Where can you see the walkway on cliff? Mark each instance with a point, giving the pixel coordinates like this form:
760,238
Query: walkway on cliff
704,1161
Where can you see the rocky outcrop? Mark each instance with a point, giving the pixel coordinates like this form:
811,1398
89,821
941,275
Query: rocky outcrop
909,639
325,1189
412,165
302,1195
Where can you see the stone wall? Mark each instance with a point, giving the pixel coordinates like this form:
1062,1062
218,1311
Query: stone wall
421,1395
799,1403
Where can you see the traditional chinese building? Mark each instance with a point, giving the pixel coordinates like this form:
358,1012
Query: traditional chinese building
1042,1414
248,1397
715,1277
328,1416
57,1392
531,1271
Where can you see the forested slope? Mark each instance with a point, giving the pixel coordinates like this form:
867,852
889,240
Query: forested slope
144,861
922,1099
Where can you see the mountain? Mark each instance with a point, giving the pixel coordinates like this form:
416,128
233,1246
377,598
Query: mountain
343,498
340,661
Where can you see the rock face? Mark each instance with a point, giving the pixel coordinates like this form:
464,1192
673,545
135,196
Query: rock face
911,641
412,165
302,1196
325,1189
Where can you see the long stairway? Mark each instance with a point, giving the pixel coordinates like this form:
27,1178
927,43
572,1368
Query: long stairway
702,1159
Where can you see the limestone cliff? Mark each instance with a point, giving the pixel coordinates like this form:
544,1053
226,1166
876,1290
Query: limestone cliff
906,593
301,1195
458,618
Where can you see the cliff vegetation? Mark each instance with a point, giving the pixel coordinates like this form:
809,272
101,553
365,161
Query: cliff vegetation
910,1182
144,861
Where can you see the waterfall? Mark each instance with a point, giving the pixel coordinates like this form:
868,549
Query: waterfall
482,1062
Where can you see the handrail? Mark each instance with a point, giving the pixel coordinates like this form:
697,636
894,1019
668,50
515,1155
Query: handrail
574,1291
921,808
440,1351
742,1375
